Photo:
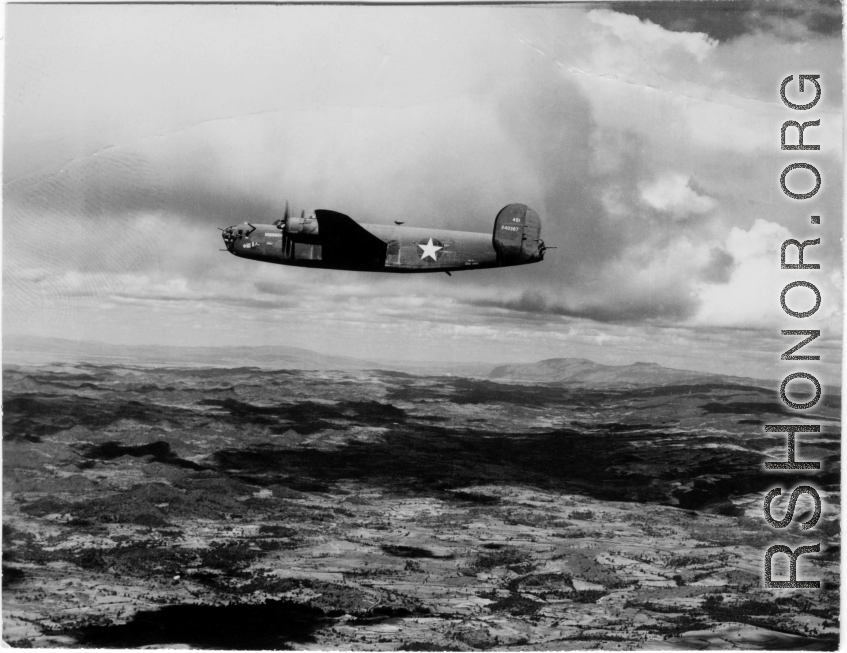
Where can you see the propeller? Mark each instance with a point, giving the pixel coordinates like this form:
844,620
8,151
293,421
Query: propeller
285,223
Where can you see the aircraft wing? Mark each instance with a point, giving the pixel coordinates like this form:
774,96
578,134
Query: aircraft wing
347,244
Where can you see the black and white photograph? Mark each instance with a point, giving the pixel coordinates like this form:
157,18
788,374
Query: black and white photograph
422,327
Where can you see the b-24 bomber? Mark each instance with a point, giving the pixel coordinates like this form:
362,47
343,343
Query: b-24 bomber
328,239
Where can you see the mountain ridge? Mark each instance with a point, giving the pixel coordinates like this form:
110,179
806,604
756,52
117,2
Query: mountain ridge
582,371
25,349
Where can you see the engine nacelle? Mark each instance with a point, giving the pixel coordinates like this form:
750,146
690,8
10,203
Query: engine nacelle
517,235
302,228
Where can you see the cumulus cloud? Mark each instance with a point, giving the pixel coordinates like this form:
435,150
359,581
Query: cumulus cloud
630,29
672,193
719,267
750,297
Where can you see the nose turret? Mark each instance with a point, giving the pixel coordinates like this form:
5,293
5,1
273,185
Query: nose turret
230,236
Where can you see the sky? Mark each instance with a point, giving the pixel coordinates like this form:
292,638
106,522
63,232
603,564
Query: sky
646,135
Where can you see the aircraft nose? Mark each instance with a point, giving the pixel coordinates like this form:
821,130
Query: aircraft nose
228,235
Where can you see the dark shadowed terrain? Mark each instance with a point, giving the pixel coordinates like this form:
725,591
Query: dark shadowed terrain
259,508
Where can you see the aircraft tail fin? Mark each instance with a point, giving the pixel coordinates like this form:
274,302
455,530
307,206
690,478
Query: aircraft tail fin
517,235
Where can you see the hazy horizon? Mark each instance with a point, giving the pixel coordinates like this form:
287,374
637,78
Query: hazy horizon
459,367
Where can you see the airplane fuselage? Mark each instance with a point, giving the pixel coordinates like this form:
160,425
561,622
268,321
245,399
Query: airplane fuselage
408,249
327,239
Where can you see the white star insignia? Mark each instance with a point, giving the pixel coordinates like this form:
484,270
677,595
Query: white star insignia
429,250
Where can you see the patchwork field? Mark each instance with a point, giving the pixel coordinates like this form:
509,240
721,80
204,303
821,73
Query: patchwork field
373,510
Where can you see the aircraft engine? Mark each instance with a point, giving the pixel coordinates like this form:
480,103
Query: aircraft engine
302,228
517,235
306,225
